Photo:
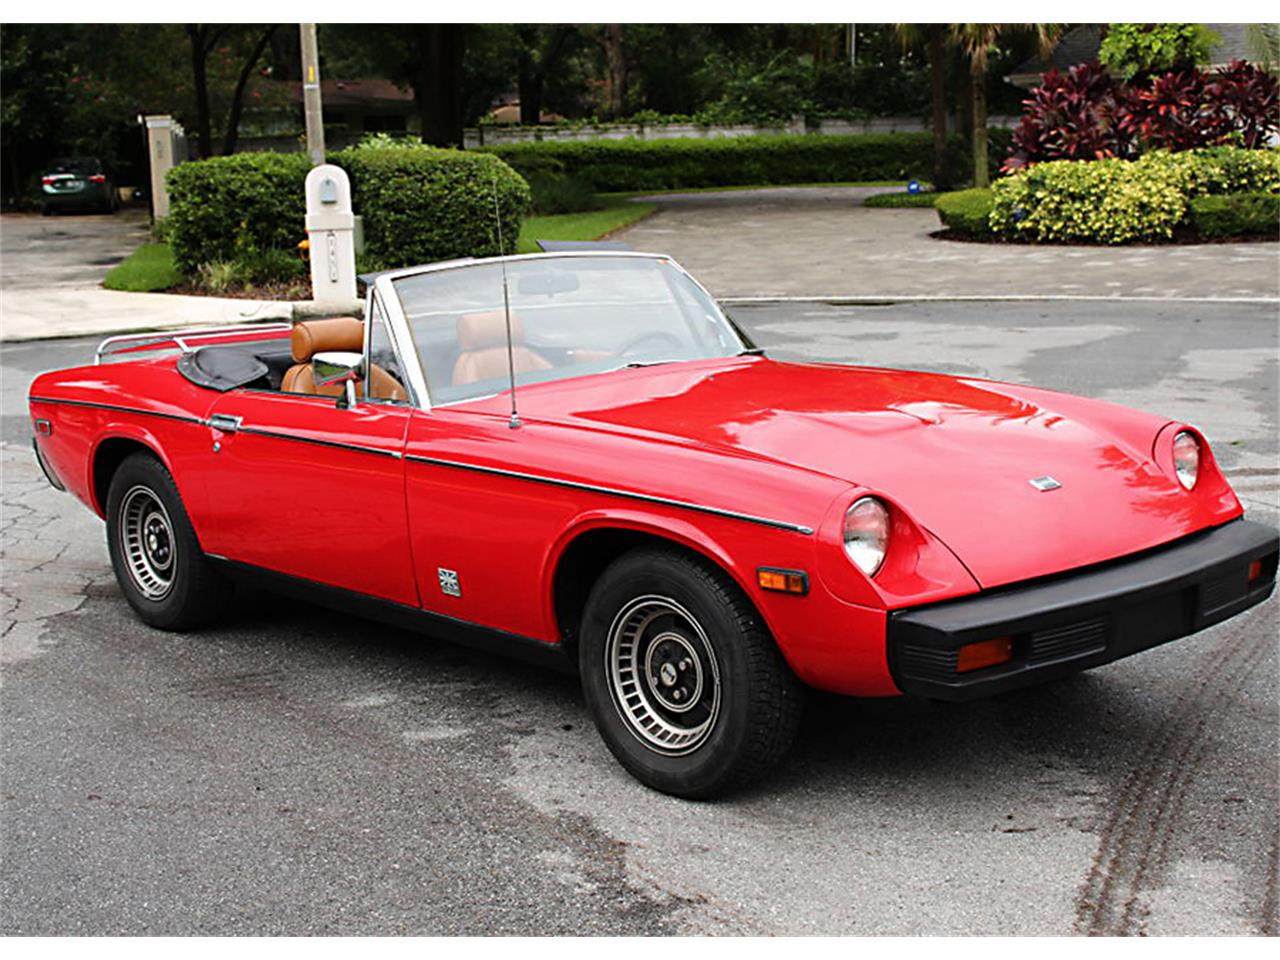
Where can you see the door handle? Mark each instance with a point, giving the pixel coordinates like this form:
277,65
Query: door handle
225,422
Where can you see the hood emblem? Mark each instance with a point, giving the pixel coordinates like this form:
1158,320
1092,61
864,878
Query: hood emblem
1044,484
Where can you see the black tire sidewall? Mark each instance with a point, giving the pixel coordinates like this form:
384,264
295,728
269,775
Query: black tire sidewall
713,765
182,606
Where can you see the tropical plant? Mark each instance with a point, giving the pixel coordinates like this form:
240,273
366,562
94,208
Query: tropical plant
1132,50
976,41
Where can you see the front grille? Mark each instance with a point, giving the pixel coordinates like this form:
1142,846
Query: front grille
1222,592
926,664
1072,640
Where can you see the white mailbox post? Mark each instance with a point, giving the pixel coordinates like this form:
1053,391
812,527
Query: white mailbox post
331,232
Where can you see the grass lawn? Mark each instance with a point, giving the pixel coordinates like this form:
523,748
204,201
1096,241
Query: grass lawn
618,212
898,200
147,269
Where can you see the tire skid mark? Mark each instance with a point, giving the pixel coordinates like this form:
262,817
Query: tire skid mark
1154,852
1130,859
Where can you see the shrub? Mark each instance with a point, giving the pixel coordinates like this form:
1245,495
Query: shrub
1131,49
1085,114
556,193
419,204
1219,170
1103,201
250,199
966,213
632,165
422,205
1235,215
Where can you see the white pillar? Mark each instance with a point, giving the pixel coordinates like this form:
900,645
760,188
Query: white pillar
163,136
330,230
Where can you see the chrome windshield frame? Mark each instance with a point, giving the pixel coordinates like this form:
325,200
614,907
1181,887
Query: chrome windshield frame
398,323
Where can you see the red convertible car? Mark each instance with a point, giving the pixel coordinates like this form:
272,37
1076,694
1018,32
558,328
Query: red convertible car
700,531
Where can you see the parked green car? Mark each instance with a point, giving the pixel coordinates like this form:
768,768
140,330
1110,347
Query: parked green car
81,182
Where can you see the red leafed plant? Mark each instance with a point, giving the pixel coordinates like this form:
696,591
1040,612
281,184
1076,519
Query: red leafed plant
1085,114
1079,115
1241,99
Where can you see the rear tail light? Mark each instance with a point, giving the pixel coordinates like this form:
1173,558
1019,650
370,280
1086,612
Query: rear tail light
97,178
984,653
47,180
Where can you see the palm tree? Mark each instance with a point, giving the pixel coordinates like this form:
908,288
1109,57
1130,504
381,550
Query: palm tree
933,36
975,40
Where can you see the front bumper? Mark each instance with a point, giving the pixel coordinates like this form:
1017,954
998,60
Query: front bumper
1081,620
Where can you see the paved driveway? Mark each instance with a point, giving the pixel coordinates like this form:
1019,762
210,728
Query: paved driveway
51,271
819,242
295,771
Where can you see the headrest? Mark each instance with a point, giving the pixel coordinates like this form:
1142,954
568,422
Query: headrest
481,331
316,336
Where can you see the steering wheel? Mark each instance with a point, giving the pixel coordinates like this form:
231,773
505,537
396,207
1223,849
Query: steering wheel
657,338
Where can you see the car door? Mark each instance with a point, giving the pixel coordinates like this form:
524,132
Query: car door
304,487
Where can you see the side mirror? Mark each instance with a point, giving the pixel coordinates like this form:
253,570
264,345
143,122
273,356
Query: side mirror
339,366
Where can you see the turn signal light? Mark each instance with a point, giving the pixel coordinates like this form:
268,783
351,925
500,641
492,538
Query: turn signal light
783,581
985,653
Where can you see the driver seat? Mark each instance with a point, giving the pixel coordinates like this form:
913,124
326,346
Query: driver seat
310,337
482,340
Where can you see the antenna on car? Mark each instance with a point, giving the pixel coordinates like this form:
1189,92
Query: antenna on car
514,422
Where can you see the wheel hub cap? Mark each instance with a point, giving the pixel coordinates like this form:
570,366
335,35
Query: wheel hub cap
146,539
663,675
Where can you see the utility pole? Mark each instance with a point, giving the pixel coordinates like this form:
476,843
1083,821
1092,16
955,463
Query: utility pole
311,94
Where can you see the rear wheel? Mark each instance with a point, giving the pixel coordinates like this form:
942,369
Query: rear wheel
687,687
154,551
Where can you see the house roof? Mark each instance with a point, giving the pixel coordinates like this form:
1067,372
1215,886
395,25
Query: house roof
1082,44
356,93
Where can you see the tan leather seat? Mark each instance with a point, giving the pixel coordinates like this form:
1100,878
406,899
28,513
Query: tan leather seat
482,338
338,333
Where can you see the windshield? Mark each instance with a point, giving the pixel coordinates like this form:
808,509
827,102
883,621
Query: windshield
570,316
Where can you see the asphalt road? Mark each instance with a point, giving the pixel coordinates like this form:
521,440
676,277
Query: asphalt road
295,771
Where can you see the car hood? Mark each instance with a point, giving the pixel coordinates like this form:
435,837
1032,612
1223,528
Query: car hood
958,455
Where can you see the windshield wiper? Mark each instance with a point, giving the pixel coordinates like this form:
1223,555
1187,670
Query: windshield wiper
645,363
752,352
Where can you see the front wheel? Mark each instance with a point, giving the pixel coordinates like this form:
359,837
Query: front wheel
685,683
154,551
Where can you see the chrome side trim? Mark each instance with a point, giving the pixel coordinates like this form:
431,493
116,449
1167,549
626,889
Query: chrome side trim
316,441
613,492
93,405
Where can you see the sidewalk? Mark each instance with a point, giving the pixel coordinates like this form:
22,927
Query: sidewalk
816,243
820,243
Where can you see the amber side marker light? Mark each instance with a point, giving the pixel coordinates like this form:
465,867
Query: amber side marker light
985,653
783,581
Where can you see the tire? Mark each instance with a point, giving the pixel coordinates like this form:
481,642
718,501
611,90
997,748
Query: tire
46,210
683,679
154,551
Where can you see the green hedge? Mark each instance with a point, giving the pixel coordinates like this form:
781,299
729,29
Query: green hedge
1235,215
1122,201
419,204
630,165
966,213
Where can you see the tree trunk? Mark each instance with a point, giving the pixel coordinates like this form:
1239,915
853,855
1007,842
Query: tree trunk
978,79
199,53
529,82
937,73
232,132
437,85
617,69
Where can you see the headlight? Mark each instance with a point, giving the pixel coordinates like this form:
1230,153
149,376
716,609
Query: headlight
1186,458
866,534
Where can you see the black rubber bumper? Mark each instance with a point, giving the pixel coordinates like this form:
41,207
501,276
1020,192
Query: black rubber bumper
1084,619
